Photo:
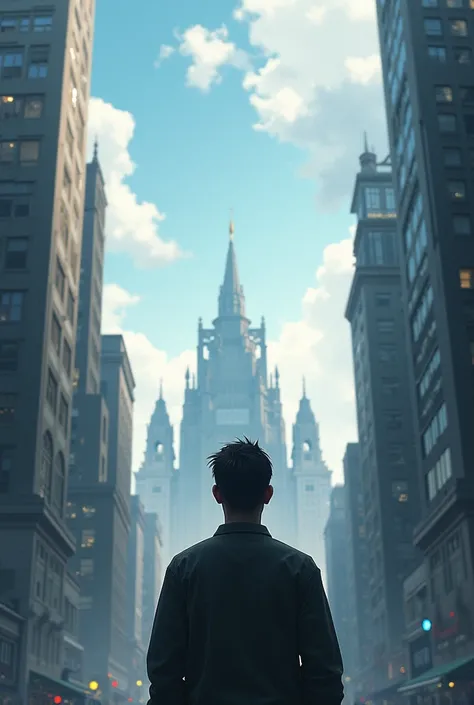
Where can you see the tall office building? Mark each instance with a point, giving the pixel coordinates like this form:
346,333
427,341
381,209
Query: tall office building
45,50
135,590
357,659
337,571
153,572
427,54
390,485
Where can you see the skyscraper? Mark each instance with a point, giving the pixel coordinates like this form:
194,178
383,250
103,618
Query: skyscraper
390,488
135,587
427,54
45,51
337,566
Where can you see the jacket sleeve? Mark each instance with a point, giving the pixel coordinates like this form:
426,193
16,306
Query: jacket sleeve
321,661
166,659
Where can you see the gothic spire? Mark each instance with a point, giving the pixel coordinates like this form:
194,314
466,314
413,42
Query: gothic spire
231,297
161,389
96,150
304,387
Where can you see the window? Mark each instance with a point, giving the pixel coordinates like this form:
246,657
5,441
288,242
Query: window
466,278
12,65
455,4
29,152
60,279
67,357
8,23
87,538
447,123
386,326
10,107
429,3
6,467
437,53
70,306
395,455
435,430
59,482
382,299
461,225
463,55
56,334
433,27
42,23
458,28
16,253
33,108
7,408
457,190
11,306
372,199
390,199
444,94
9,355
38,66
452,156
52,391
86,568
467,95
63,415
400,490
469,124
8,152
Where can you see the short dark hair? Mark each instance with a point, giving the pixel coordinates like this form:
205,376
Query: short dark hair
242,471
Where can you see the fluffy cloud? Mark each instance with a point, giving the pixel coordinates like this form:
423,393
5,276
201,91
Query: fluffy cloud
319,346
149,364
164,53
132,225
209,51
318,82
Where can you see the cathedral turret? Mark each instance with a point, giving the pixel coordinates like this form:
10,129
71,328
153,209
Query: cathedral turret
231,296
313,482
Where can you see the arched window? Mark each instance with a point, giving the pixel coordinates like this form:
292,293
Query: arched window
58,483
307,450
159,448
46,469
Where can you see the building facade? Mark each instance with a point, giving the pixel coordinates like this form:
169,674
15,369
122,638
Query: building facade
152,573
312,481
135,588
390,487
337,570
45,50
358,657
427,50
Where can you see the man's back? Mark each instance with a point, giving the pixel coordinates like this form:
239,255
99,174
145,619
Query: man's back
236,615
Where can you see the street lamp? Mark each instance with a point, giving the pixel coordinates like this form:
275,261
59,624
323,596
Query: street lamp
93,685
139,683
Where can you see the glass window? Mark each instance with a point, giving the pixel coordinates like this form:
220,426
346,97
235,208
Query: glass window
10,107
11,306
60,278
9,356
458,28
372,198
8,152
444,94
43,23
452,156
52,391
33,108
466,278
430,3
462,225
457,190
437,53
12,65
16,251
390,199
463,55
56,334
447,123
29,152
433,27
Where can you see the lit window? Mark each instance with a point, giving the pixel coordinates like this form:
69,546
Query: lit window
10,107
462,225
433,27
458,28
457,190
466,278
88,538
33,108
400,490
447,123
8,152
444,94
437,53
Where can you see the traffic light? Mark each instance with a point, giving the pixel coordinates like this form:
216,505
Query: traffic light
93,685
114,684
57,700
426,625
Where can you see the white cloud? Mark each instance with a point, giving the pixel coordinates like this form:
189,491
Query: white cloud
149,365
319,347
132,225
164,53
209,52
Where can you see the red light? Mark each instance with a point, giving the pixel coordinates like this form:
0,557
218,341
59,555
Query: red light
451,614
114,684
57,699
130,700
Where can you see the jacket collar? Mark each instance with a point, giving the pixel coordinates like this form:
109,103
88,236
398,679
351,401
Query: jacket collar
238,527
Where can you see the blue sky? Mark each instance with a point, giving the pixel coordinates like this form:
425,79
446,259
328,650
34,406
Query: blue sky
196,155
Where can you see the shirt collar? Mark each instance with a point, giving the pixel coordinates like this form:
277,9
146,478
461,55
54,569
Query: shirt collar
239,527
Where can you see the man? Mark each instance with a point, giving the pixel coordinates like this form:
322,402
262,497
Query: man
243,619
